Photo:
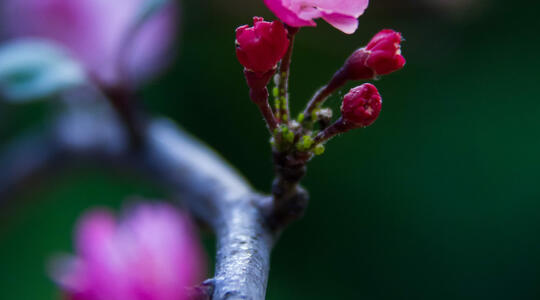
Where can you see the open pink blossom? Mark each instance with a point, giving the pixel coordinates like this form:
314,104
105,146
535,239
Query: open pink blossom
95,33
150,254
342,14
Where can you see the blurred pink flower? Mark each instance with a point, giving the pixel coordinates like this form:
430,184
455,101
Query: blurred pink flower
342,14
151,254
94,31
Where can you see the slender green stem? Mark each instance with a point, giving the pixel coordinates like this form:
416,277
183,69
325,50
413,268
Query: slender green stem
282,111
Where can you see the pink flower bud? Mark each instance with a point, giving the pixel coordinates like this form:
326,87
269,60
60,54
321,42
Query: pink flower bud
95,32
381,56
361,106
341,14
151,253
261,47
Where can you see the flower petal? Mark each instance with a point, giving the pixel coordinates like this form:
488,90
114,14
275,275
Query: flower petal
353,8
286,15
345,23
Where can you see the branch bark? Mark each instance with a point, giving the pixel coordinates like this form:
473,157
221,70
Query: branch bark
206,184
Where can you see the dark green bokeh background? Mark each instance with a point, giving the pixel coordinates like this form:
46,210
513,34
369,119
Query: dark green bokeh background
439,199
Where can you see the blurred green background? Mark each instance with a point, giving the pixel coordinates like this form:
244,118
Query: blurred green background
439,199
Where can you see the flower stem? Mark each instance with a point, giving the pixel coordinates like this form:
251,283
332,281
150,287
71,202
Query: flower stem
338,80
340,126
268,116
283,111
126,108
260,97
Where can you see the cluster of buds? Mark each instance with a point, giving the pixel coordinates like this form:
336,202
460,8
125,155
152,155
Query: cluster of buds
260,48
265,51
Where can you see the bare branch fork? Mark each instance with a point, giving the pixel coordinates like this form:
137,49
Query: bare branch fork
203,181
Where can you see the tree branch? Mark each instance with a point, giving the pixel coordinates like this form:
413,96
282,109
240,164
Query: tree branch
205,183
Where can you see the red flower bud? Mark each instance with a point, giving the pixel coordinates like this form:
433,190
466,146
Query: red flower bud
361,106
381,56
261,47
